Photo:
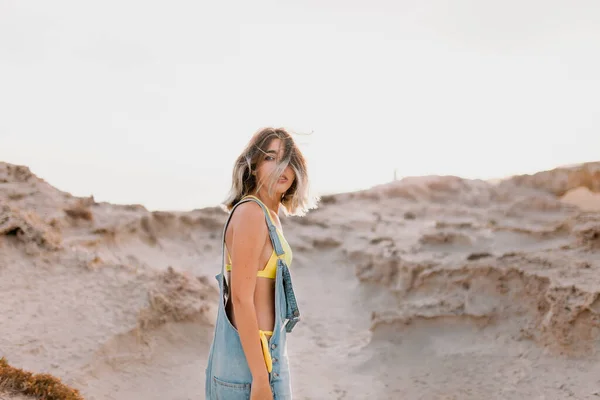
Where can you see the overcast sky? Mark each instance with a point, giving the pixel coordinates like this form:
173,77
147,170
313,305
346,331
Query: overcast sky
150,102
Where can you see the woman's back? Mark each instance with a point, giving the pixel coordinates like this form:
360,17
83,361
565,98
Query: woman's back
250,220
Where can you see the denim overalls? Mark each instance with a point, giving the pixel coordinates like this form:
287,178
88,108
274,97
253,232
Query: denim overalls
228,376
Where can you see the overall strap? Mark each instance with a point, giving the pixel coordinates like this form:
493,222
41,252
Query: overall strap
275,242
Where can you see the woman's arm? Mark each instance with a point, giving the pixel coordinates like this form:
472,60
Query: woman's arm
249,237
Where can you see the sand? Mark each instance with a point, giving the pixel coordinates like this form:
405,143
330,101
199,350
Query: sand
9,396
426,288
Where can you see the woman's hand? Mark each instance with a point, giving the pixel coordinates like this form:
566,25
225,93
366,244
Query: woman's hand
261,390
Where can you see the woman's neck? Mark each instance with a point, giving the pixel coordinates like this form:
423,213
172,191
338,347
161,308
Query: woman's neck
271,202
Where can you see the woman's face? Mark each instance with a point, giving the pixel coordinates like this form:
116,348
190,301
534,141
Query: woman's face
268,164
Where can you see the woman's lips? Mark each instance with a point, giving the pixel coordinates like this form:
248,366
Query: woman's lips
282,180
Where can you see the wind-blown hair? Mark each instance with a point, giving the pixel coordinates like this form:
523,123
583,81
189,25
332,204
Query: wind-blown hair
297,200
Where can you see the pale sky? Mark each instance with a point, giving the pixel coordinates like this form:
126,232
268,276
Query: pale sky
150,102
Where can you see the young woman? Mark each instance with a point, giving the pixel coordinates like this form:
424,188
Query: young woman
257,308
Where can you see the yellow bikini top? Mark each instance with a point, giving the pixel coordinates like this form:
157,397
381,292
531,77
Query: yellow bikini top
270,270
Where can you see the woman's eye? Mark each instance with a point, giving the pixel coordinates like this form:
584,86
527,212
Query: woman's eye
269,158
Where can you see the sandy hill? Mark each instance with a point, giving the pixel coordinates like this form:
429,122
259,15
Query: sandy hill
426,288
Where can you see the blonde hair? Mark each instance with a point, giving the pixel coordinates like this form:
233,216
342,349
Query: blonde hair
297,200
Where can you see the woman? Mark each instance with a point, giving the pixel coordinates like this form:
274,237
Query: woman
248,357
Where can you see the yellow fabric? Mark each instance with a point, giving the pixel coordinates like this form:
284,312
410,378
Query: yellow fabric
270,270
265,348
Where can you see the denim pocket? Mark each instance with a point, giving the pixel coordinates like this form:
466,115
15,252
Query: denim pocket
224,390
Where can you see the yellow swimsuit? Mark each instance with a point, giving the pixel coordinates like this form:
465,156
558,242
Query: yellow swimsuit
269,271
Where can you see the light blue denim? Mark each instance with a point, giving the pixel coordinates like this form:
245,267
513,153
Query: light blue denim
228,376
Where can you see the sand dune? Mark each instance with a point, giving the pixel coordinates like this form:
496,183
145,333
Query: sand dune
583,198
9,396
427,288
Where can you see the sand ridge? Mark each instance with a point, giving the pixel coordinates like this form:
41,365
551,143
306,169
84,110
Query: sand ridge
431,287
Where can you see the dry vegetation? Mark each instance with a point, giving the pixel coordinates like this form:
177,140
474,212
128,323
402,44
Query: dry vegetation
38,386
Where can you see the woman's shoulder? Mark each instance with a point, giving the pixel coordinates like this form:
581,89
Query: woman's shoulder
249,212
